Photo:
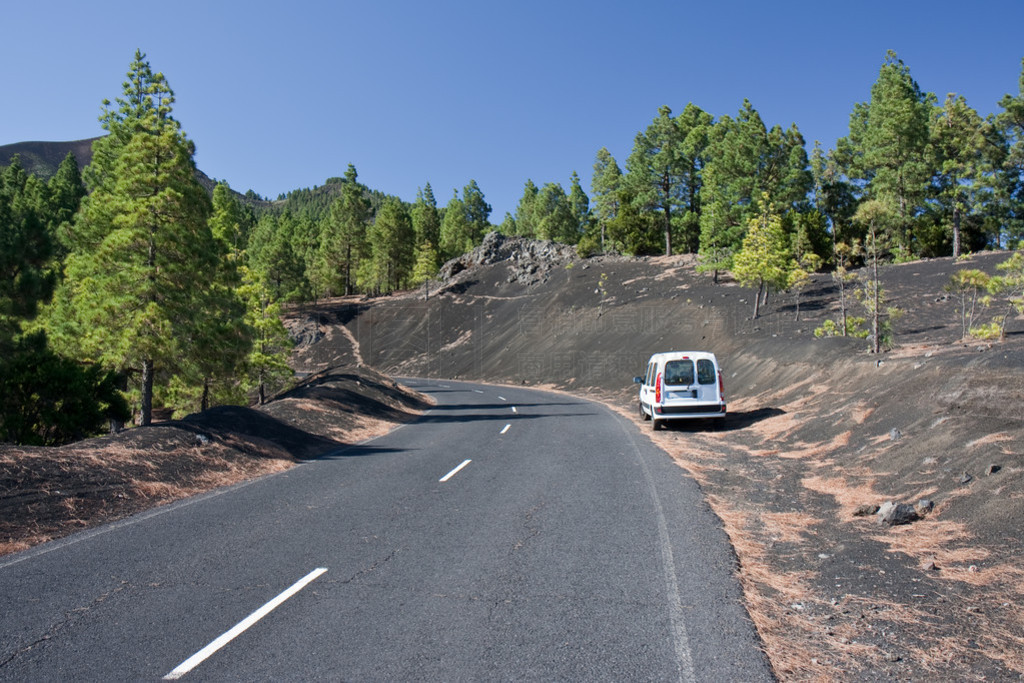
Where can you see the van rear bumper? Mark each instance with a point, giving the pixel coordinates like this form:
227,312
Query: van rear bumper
694,410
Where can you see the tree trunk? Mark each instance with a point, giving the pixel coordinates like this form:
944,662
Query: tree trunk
877,345
757,300
668,233
842,300
956,230
348,273
146,410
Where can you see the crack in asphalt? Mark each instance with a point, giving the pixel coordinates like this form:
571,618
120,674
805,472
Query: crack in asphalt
69,618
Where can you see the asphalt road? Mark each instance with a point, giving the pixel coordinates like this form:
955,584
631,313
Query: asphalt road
566,548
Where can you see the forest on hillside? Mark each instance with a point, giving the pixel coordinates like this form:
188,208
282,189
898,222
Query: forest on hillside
127,287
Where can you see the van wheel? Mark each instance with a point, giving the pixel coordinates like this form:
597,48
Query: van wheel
643,414
655,424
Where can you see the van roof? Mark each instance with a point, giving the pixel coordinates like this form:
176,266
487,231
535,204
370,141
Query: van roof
676,355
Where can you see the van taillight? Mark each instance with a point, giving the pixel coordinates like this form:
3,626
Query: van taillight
721,386
657,389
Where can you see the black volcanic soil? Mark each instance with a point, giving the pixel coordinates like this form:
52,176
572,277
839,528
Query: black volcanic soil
817,428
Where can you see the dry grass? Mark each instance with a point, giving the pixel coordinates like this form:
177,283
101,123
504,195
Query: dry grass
848,495
53,491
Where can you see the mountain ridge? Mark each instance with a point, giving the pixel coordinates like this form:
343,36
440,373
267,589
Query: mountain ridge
43,157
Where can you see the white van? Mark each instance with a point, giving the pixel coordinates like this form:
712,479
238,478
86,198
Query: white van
681,385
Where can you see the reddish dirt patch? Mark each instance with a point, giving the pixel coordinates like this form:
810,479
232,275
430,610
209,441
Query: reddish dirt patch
50,492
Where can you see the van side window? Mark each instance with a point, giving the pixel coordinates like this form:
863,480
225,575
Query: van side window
650,374
705,371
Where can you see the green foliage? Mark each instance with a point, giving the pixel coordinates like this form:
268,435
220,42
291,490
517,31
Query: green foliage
228,222
605,184
478,211
833,195
392,248
746,165
525,218
343,239
959,147
26,248
664,171
554,217
47,400
142,250
425,266
886,150
854,328
990,331
632,231
1009,166
276,255
1010,285
883,317
968,287
426,220
266,366
579,204
66,191
44,399
765,259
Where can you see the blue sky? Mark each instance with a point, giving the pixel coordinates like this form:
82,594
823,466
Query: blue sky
279,96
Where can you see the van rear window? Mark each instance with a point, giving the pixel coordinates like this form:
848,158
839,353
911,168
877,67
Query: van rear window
679,372
705,371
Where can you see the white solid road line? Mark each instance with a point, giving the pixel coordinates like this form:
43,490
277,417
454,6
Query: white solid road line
199,657
507,427
455,471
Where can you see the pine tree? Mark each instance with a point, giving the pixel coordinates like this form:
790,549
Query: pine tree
343,242
26,250
633,231
554,216
957,144
227,222
875,215
526,219
731,187
274,254
478,211
457,234
426,221
656,168
143,251
579,204
392,244
1008,157
887,145
267,368
425,266
66,193
765,259
604,185
833,196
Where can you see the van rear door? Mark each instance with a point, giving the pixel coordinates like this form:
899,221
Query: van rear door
689,382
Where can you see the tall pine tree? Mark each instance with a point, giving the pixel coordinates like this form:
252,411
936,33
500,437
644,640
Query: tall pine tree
143,252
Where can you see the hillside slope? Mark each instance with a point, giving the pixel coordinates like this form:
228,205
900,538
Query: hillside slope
818,428
42,158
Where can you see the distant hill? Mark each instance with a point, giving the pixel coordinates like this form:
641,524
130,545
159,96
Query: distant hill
43,159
